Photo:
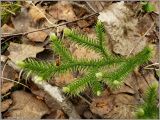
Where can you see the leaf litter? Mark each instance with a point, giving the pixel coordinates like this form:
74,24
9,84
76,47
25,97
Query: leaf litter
124,32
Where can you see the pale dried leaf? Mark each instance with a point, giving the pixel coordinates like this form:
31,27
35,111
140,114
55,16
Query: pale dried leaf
38,36
19,20
122,28
62,11
27,106
19,52
5,104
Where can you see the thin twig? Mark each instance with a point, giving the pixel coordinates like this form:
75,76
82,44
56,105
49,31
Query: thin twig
151,65
5,95
15,82
84,99
151,69
91,7
54,26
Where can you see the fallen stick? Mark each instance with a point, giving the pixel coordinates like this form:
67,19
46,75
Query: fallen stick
53,91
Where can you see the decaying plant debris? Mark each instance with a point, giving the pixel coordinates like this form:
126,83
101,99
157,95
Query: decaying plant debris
35,42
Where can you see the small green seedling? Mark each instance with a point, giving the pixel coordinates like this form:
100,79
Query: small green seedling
148,7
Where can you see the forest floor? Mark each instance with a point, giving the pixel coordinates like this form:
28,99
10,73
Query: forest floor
25,34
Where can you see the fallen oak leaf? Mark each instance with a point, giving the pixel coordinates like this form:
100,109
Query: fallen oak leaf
19,52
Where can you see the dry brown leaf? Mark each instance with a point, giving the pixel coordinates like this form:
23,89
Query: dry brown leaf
114,106
38,36
26,106
62,11
5,104
8,72
122,28
123,107
6,87
36,14
7,29
102,105
82,23
19,52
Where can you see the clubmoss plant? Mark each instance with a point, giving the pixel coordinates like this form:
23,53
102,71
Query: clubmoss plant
96,73
149,109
